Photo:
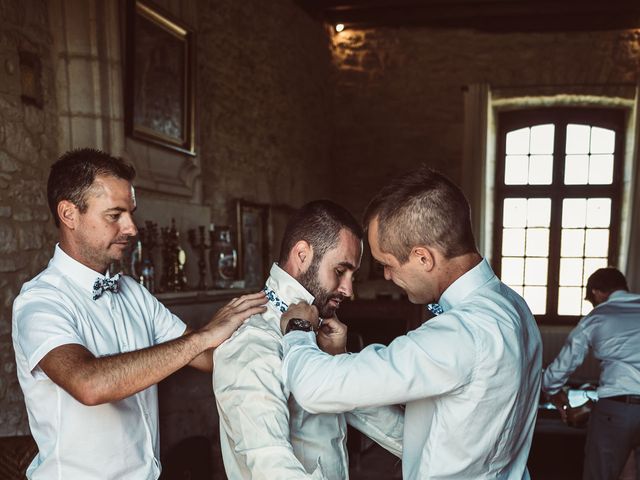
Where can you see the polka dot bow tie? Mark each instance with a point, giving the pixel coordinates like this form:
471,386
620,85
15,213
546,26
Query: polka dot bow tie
435,308
102,285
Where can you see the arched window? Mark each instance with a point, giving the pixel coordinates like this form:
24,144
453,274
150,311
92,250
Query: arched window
558,204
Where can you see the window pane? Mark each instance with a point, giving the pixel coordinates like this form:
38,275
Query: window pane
515,212
571,271
603,140
572,243
513,242
516,170
569,300
513,271
577,138
574,212
591,265
586,306
576,169
542,139
540,170
539,212
598,212
597,243
536,298
601,170
537,242
535,271
518,141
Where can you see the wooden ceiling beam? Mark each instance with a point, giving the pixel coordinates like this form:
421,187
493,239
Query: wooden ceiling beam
497,15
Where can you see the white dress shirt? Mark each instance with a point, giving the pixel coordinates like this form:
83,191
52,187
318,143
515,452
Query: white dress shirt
264,433
470,378
117,440
612,331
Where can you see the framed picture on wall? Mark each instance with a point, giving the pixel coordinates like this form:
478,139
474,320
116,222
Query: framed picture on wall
159,105
253,242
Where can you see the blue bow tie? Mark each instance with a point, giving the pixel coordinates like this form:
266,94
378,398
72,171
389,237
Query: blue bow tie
102,285
275,300
435,308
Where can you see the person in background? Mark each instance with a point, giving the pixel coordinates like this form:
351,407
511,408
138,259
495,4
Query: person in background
90,347
470,376
264,432
612,332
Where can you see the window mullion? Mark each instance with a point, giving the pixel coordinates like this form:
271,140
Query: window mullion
556,220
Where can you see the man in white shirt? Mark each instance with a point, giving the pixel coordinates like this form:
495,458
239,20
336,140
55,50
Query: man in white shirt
90,348
612,331
470,376
264,432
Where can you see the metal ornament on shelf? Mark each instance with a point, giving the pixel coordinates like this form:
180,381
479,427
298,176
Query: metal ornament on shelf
201,246
142,266
173,260
223,257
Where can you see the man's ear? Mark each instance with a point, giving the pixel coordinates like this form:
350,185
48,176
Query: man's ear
68,214
425,256
600,296
301,256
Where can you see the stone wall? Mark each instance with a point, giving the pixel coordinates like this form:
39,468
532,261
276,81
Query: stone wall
399,91
28,142
263,127
264,102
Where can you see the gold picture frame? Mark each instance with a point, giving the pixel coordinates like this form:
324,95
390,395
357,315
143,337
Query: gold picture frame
160,78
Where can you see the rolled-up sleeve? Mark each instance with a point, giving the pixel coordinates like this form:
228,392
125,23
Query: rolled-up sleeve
435,359
253,407
571,356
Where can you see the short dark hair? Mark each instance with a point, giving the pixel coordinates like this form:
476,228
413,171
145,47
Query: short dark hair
606,280
73,174
318,223
422,207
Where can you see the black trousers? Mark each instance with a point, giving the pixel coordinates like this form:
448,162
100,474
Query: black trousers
613,433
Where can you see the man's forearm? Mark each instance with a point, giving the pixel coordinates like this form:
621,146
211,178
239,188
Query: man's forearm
96,380
93,381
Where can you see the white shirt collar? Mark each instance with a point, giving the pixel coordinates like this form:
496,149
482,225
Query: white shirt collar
78,273
287,288
617,295
466,284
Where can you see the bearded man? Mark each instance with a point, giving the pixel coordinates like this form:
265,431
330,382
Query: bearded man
264,432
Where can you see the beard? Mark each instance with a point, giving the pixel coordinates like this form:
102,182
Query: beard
310,281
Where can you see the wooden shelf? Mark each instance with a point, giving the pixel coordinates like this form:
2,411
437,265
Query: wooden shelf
201,296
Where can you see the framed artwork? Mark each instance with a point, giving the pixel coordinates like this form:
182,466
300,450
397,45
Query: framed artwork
253,242
159,91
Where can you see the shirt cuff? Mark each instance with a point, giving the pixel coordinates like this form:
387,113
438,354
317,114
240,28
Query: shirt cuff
297,338
46,347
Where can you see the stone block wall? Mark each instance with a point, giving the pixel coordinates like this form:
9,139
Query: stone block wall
28,142
263,128
264,100
398,98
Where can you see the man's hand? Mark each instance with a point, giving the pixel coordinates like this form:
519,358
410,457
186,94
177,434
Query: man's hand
300,310
230,317
332,336
561,402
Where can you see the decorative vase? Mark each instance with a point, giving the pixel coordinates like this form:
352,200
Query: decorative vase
223,258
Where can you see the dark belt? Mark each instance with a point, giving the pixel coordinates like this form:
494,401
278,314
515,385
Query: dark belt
634,399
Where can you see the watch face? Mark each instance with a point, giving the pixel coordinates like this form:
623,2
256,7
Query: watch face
299,324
